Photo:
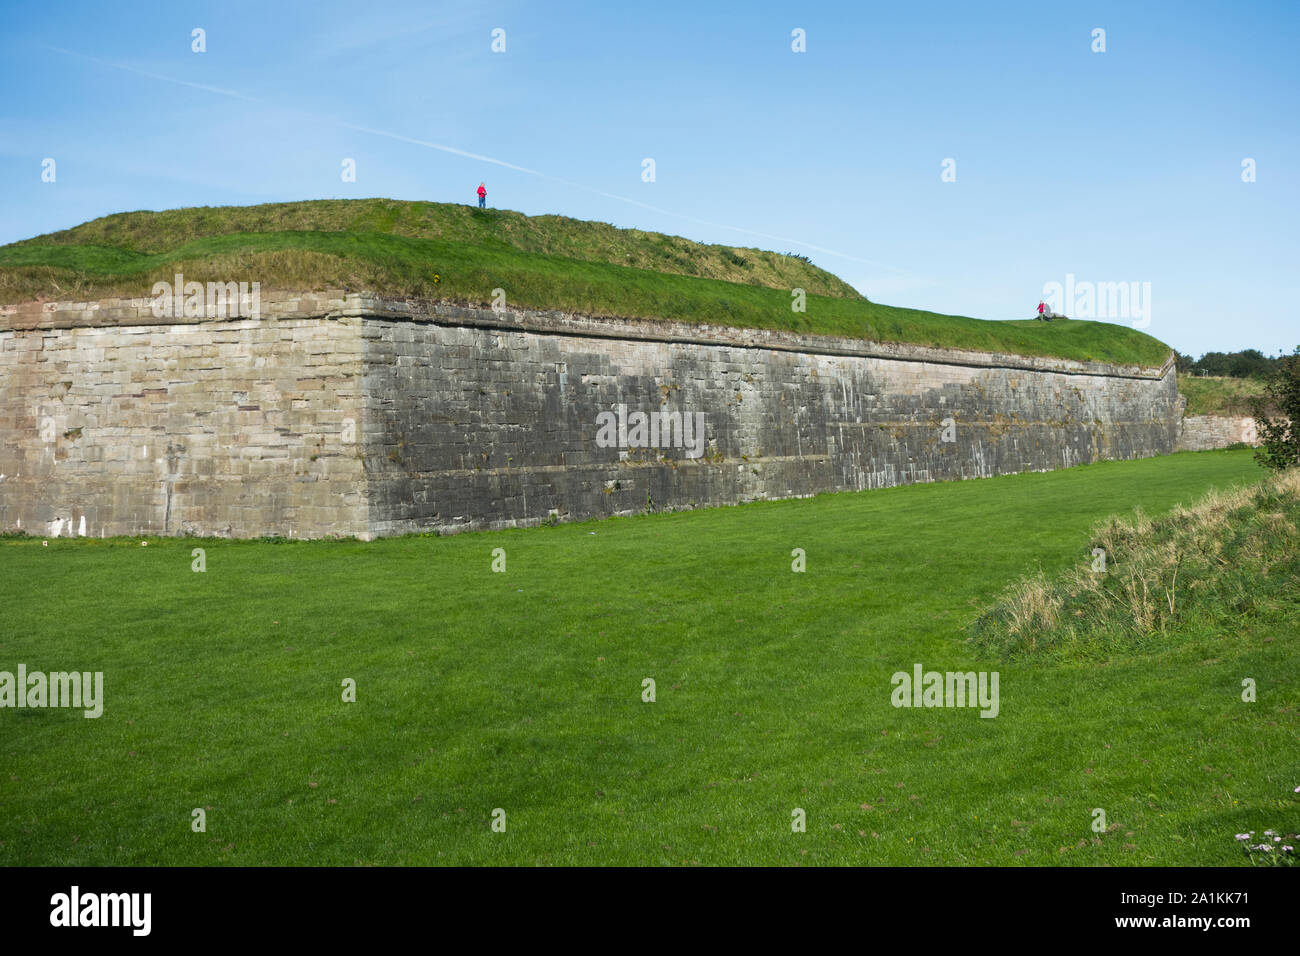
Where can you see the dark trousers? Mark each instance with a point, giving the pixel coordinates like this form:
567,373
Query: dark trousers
482,202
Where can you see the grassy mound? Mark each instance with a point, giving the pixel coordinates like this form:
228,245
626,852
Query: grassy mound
1215,395
455,253
1232,557
125,239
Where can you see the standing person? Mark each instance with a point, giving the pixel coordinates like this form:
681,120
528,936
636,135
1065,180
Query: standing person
482,196
1042,309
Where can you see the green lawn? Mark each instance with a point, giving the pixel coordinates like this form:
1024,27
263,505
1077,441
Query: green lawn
522,690
541,262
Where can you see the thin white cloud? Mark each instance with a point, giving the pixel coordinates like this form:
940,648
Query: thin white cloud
158,76
421,142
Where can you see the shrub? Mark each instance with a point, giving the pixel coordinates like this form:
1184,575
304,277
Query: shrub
1279,439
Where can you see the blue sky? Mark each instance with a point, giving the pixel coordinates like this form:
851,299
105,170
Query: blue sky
1122,166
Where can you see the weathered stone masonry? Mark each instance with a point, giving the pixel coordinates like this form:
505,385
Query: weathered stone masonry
1202,432
358,415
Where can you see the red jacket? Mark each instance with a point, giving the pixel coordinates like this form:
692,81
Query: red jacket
482,191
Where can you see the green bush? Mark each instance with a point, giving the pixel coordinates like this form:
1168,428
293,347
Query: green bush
1279,440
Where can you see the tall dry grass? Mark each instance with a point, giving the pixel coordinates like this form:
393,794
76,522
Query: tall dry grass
1232,554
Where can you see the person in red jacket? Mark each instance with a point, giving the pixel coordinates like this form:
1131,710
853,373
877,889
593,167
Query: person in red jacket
482,196
1041,309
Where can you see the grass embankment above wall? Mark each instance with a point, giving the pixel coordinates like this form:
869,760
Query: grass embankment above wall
1214,395
455,253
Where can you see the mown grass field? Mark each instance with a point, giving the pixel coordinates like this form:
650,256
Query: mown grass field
452,253
522,690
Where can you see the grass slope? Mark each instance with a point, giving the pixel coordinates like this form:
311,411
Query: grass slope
543,262
1232,556
1214,395
150,233
522,690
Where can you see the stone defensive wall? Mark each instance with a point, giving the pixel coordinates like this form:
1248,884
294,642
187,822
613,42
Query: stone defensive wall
1203,432
355,414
